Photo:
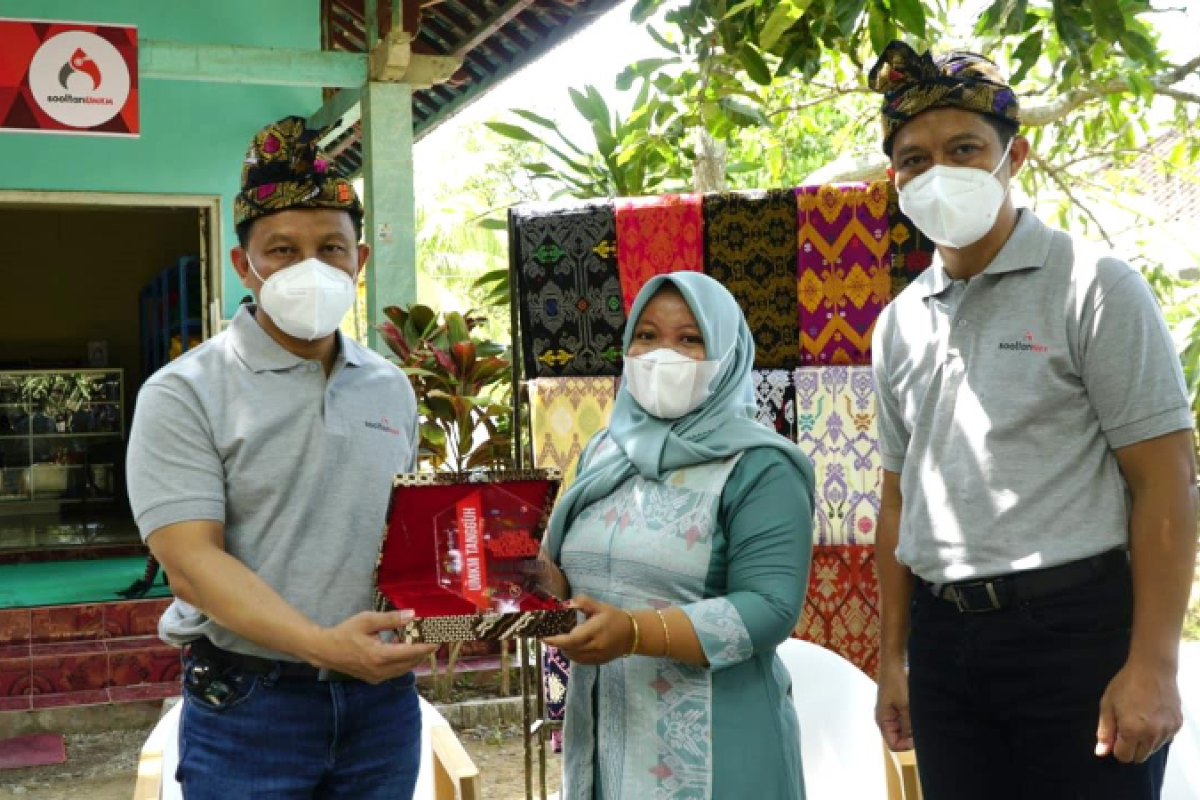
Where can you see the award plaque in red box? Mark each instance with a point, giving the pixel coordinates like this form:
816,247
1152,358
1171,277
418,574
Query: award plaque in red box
461,551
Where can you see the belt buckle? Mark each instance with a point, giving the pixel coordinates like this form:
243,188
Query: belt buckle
965,608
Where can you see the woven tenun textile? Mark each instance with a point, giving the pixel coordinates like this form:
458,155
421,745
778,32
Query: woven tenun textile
911,252
569,293
750,247
841,609
835,420
565,413
656,236
844,270
775,398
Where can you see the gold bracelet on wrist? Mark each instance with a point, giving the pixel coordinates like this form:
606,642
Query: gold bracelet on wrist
666,632
637,634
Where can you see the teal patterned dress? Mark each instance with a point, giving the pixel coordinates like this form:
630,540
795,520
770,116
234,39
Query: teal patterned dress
729,543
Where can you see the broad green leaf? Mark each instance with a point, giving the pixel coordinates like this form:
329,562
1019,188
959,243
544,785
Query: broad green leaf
513,132
739,8
990,17
786,14
742,114
493,224
1027,53
741,168
1141,86
880,25
1139,47
910,14
847,12
536,119
644,10
756,68
1108,18
662,42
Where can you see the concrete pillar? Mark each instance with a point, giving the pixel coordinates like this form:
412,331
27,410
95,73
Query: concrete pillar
387,127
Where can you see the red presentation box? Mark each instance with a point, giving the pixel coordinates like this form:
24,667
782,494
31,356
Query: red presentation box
461,551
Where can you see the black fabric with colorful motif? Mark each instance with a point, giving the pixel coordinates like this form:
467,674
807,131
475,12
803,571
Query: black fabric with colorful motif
572,316
750,241
285,169
913,83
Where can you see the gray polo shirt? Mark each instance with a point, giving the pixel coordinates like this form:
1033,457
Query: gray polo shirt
1002,400
297,466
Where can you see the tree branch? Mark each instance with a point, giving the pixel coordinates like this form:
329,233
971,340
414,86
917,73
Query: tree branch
1053,112
1056,176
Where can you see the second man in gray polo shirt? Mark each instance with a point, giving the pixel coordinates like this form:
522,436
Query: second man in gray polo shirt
1038,525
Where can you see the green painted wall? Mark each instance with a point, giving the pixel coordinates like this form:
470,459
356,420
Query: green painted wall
194,135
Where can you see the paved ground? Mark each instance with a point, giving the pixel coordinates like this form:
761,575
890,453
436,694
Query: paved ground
103,766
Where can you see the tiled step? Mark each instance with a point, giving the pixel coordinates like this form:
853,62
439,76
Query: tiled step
86,673
84,622
84,655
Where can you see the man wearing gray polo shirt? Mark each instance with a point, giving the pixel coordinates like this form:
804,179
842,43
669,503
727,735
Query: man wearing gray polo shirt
1038,525
260,468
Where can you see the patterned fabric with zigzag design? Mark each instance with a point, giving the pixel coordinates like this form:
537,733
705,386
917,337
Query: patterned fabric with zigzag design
844,270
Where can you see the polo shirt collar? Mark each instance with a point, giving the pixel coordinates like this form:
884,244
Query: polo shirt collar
263,354
1027,248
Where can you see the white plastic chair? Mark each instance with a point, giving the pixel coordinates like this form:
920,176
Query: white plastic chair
447,771
1182,781
840,746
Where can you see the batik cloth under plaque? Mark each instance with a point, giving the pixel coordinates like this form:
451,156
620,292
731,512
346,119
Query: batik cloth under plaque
835,420
775,397
844,270
912,252
656,236
841,609
556,671
572,319
565,413
750,247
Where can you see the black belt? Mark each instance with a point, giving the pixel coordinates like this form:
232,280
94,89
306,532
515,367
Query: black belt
207,651
1005,591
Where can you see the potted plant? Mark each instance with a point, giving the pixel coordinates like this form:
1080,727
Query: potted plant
463,401
461,387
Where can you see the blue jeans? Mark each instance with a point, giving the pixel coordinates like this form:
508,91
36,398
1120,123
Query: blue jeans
1005,704
266,737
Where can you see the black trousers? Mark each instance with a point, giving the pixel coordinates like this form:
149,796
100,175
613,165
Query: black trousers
1005,704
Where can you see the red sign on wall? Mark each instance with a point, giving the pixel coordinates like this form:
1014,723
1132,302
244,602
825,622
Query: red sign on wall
68,77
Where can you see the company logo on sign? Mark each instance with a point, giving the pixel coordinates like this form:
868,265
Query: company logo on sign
80,62
79,79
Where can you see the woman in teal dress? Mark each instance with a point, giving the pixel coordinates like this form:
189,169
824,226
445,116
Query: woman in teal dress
685,542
